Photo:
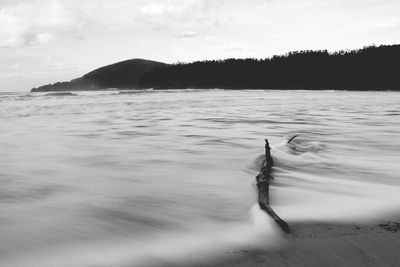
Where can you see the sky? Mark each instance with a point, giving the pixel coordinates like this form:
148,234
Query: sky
45,41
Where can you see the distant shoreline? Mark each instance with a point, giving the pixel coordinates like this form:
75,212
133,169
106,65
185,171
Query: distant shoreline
366,69
208,89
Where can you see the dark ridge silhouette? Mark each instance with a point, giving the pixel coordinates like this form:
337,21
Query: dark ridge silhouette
369,68
125,75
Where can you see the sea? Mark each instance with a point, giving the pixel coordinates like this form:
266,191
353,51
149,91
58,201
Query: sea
146,177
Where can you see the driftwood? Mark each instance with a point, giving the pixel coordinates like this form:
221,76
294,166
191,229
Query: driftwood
263,181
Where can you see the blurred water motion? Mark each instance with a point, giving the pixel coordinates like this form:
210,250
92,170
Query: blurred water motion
99,177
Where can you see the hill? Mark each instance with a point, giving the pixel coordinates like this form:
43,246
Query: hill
369,68
126,74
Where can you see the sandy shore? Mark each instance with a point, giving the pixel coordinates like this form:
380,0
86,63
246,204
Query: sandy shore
319,244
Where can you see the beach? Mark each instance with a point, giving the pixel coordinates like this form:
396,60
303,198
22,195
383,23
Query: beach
330,245
316,244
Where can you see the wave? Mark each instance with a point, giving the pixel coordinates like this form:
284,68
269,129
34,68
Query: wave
172,247
134,92
310,184
61,94
184,191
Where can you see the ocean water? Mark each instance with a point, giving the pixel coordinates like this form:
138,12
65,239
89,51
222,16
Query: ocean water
129,178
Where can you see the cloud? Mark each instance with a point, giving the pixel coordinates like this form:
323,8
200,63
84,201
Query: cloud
388,23
229,47
35,22
157,9
180,7
187,35
176,12
43,38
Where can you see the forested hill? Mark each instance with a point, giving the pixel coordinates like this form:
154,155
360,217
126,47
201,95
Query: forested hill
370,68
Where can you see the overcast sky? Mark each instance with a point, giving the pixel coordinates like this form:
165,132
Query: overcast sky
44,41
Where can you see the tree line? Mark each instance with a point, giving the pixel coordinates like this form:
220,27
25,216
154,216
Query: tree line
369,68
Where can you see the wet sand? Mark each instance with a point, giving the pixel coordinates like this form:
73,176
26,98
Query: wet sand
319,244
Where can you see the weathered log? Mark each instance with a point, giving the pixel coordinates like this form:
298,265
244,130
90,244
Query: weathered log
291,139
263,181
